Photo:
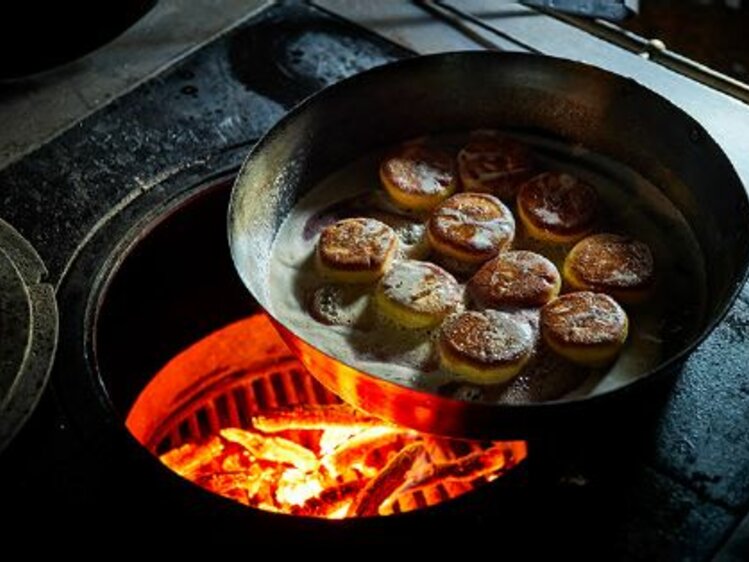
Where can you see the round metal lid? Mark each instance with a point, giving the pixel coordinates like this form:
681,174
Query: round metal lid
28,331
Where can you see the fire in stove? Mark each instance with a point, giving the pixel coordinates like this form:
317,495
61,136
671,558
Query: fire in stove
236,414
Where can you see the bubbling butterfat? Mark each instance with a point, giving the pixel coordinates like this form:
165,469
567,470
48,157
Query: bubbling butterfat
343,320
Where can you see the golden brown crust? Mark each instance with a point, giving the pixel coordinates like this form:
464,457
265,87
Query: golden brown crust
558,204
421,287
487,339
610,263
418,176
584,320
357,244
515,279
493,164
473,227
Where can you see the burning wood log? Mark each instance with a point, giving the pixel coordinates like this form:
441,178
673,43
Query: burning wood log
331,499
272,449
190,459
313,417
262,485
359,447
382,486
488,462
345,472
230,485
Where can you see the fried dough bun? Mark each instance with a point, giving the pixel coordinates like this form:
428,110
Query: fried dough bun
619,266
471,228
356,250
487,347
586,328
418,177
557,207
515,279
417,294
493,164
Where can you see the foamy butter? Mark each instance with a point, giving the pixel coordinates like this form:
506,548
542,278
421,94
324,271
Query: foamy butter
353,331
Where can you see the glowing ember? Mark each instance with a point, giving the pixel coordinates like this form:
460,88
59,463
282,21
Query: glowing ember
361,469
239,416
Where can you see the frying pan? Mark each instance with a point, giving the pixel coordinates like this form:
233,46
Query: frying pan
608,114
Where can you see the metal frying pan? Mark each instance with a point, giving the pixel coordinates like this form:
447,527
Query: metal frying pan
609,114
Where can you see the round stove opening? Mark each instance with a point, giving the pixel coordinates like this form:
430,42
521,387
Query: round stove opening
208,387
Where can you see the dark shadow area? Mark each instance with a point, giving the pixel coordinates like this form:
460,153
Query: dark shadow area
710,31
175,286
52,33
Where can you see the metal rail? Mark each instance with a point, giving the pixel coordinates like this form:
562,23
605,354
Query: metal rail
651,49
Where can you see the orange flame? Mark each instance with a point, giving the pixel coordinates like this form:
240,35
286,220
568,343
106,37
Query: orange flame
346,472
322,460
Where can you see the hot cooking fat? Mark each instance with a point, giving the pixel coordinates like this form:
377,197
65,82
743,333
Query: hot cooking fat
468,230
419,282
